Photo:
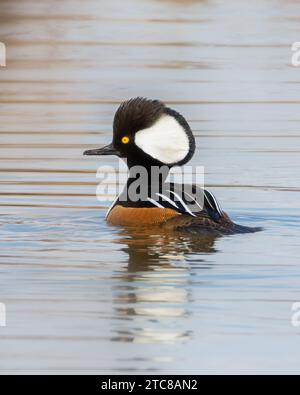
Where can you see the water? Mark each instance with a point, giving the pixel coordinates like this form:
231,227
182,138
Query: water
84,297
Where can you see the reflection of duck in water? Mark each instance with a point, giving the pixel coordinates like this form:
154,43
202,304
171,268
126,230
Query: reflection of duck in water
155,290
152,136
149,247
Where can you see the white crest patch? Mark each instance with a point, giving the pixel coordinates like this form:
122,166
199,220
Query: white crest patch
165,141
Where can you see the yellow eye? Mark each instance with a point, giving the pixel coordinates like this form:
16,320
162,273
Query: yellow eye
125,140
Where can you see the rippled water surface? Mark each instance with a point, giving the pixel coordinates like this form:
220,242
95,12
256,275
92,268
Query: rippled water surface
84,297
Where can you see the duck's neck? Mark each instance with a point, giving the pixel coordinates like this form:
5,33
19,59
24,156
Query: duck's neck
144,182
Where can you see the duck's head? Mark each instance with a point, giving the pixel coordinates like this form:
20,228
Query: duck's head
147,133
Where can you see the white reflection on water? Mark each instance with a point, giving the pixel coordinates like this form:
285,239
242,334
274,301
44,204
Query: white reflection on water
156,289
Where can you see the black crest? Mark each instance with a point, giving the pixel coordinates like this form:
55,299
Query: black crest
137,114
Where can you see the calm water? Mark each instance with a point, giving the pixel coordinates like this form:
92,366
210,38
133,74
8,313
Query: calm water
84,297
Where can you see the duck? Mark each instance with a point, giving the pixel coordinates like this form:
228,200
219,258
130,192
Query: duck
152,139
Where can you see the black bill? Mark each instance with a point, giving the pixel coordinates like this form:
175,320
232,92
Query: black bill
107,150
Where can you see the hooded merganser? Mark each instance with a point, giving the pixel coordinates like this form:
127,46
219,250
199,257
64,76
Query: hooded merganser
150,135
